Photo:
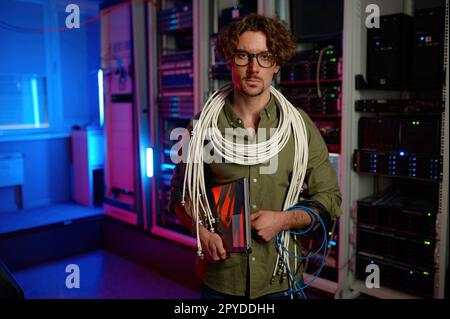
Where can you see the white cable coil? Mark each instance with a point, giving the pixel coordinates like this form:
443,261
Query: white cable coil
242,154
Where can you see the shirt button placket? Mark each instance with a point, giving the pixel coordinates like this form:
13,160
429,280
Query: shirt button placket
255,202
254,189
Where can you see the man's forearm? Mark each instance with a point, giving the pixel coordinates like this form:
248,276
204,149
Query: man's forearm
184,217
295,219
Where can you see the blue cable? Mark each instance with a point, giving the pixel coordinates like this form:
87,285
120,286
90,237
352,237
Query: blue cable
323,243
300,258
280,245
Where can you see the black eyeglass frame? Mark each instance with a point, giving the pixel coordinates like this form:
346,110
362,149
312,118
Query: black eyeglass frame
250,57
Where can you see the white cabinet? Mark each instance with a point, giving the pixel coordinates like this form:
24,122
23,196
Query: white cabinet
88,153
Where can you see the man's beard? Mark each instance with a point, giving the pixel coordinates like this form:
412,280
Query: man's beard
245,88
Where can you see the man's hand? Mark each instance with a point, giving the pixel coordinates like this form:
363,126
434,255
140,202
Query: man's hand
266,224
212,245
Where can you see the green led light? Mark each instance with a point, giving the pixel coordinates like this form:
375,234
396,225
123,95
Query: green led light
329,233
426,273
426,242
329,246
429,214
333,95
333,60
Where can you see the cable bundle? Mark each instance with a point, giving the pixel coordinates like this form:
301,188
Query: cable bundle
242,154
283,267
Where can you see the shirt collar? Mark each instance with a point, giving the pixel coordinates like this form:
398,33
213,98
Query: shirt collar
234,120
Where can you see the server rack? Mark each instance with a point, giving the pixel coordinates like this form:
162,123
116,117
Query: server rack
397,195
222,13
176,64
321,98
126,105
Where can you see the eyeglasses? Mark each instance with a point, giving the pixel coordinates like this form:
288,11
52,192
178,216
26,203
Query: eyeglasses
265,59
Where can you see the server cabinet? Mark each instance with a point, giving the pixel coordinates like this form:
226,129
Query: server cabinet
172,86
126,107
396,197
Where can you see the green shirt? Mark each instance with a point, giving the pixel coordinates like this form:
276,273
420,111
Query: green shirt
267,192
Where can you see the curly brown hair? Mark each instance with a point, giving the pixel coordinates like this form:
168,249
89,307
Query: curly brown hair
279,39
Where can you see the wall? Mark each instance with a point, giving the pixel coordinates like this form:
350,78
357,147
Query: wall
25,51
80,61
46,172
73,67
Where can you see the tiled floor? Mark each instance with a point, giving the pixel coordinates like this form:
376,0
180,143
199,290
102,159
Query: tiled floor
102,275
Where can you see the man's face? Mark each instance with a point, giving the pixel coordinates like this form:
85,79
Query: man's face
252,80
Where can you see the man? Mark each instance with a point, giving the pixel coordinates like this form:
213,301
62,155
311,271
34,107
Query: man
255,48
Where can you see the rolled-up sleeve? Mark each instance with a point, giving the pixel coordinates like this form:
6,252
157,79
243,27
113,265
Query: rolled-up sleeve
177,181
176,186
320,176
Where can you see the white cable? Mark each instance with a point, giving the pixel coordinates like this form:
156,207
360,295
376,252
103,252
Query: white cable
194,188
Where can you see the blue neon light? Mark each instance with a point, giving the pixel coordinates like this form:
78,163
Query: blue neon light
149,158
166,167
35,102
101,107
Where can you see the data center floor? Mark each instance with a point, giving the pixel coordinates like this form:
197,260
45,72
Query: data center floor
103,275
53,237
